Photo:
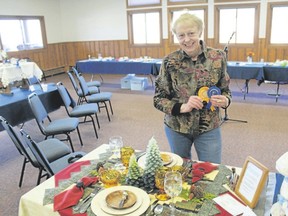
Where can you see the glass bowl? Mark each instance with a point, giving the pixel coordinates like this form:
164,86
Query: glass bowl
110,178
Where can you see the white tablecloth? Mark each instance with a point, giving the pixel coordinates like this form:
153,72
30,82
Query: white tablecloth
10,72
31,203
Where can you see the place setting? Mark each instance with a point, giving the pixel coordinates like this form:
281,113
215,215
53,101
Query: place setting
113,201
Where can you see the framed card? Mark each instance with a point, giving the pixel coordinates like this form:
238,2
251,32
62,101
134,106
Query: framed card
252,179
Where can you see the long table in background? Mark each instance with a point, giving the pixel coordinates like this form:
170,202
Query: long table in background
257,70
95,66
150,67
15,107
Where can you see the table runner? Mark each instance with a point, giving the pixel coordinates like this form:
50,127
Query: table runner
86,166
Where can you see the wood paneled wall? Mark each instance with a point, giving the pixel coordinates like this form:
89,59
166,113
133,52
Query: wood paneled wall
67,53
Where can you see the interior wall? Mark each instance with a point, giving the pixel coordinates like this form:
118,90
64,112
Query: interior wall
76,29
49,9
93,20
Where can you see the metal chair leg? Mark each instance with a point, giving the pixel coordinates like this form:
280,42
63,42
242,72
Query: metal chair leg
22,172
79,136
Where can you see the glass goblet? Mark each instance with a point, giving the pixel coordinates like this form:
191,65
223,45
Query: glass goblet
173,187
115,144
159,183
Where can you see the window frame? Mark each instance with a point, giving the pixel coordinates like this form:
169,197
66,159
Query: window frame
269,23
143,5
130,27
217,9
187,2
170,18
42,26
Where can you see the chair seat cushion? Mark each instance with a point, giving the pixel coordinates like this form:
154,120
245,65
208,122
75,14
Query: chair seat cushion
84,109
62,126
103,96
94,83
91,89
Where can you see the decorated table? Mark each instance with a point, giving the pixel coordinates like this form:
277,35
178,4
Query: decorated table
59,195
21,70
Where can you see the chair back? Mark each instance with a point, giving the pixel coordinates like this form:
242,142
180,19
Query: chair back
73,81
38,110
16,139
34,81
37,152
83,85
75,71
66,97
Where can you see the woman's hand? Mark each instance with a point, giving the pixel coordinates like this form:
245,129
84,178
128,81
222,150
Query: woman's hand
219,101
194,102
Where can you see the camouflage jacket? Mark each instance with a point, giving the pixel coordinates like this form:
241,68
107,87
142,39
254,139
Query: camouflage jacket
180,77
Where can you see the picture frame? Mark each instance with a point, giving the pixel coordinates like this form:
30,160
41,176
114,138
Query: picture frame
251,182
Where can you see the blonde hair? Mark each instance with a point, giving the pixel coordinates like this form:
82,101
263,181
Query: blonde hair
190,19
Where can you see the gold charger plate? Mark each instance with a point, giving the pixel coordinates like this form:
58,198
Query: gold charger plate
99,206
113,199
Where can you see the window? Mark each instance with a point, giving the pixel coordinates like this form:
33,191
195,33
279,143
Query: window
198,12
237,24
145,28
279,33
138,3
21,33
186,1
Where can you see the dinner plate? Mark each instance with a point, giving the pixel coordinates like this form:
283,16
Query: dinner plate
176,160
99,206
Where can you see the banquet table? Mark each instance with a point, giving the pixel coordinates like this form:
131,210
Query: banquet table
260,71
246,71
15,107
10,73
132,66
31,203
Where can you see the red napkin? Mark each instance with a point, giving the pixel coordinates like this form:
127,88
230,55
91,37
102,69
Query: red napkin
65,173
200,169
71,197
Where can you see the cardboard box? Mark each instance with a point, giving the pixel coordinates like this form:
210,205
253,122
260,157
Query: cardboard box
139,83
125,81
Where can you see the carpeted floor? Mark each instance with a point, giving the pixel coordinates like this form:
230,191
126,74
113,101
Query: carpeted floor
263,137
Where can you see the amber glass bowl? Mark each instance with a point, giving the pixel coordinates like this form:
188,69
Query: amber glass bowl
110,178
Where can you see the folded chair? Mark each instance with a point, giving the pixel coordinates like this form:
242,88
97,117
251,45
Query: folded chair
89,83
83,110
78,90
53,149
51,128
100,98
56,165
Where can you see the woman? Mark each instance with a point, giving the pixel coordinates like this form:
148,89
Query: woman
190,89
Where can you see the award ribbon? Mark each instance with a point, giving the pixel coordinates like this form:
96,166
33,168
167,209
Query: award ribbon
205,94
